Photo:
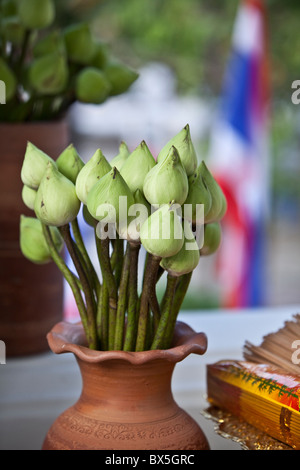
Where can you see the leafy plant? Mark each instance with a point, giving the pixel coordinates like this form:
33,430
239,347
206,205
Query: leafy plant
46,68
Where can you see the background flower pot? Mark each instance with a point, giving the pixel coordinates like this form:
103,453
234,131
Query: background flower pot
126,401
31,296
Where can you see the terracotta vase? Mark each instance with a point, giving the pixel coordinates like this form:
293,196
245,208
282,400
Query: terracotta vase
126,401
31,296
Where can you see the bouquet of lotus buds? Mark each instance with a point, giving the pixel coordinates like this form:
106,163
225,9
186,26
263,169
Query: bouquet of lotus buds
46,68
170,207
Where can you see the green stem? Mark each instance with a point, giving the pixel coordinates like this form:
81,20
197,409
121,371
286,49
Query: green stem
69,276
106,268
147,293
81,246
102,317
108,277
122,302
180,293
117,259
131,327
24,47
159,338
90,301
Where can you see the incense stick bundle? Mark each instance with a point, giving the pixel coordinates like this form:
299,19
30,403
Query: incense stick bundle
266,397
277,348
264,389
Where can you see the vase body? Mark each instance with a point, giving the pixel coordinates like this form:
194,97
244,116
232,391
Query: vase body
31,296
126,404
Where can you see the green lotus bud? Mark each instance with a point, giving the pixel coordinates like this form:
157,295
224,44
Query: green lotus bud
120,77
53,42
198,194
28,196
69,163
90,174
49,74
137,215
34,166
224,206
100,56
87,216
92,86
110,198
13,30
80,44
187,259
185,147
137,166
218,200
139,198
212,238
167,181
119,160
161,234
8,77
32,241
56,202
36,14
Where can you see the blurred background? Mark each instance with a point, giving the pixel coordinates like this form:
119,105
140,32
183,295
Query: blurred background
227,69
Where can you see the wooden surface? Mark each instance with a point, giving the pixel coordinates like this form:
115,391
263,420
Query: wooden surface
36,389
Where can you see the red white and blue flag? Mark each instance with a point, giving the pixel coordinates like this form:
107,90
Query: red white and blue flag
240,160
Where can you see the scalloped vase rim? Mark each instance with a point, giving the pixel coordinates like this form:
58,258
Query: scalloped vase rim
68,337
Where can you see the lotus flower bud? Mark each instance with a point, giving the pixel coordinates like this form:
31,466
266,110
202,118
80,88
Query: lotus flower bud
32,241
198,194
8,77
120,76
53,42
49,74
34,166
56,202
185,147
212,238
110,198
92,86
69,163
90,174
166,181
100,56
139,198
218,200
137,215
13,30
80,44
119,160
36,14
161,234
28,196
87,216
137,166
187,259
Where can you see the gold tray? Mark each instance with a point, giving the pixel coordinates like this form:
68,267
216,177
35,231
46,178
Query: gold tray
247,436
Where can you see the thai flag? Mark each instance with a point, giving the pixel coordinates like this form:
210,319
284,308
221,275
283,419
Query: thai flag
240,160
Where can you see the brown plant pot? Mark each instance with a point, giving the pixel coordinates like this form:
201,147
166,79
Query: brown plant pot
31,296
126,401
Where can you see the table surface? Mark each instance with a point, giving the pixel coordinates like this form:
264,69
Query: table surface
34,390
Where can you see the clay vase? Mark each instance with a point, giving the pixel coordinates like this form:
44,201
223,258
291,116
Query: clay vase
126,401
31,296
